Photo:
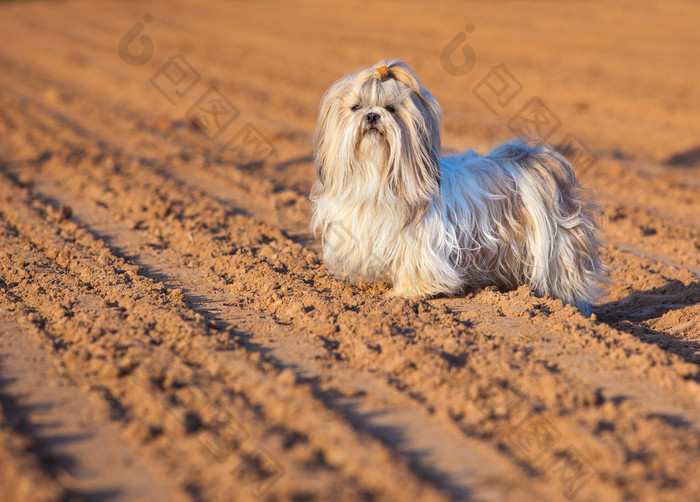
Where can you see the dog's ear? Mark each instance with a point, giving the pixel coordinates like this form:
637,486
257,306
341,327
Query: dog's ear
401,72
417,164
326,126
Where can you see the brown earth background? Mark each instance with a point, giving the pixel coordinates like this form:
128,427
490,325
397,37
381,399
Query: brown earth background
168,330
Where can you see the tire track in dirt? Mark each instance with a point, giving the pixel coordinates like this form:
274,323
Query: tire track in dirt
62,428
22,473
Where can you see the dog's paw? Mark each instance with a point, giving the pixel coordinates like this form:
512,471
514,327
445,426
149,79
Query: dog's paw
402,293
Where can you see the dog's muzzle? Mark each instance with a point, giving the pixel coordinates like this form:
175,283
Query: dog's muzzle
371,124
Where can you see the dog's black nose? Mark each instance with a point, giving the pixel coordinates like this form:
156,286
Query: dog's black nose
372,117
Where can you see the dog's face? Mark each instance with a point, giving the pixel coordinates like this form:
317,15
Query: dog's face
381,128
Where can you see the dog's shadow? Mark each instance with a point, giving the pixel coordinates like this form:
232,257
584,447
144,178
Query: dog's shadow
630,314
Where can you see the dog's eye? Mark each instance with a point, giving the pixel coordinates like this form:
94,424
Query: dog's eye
355,108
390,108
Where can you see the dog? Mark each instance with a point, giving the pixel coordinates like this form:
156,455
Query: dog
389,208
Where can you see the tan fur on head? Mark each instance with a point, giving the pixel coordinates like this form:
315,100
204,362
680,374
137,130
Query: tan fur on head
431,225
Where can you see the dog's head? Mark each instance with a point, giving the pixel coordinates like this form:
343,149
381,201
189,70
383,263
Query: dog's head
379,134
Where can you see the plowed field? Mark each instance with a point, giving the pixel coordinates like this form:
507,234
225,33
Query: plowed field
168,330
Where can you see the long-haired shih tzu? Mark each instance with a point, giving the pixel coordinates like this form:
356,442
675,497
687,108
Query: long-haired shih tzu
389,208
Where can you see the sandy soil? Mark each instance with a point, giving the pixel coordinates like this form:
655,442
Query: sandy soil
168,330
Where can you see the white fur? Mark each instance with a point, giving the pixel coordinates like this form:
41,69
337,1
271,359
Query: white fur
389,208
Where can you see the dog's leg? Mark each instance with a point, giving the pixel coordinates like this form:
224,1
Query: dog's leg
424,271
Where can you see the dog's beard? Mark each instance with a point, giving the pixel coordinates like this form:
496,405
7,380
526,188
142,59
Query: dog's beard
372,156
372,132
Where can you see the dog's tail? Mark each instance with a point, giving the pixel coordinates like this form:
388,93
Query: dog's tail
563,242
